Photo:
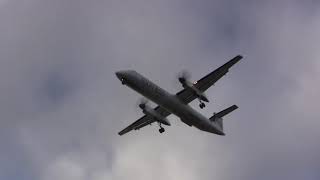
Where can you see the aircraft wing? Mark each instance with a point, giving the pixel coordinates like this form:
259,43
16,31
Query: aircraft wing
187,95
144,120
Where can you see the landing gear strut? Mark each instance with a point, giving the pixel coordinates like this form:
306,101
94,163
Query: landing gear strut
161,130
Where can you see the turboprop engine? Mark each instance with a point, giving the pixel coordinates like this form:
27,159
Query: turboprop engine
147,110
187,84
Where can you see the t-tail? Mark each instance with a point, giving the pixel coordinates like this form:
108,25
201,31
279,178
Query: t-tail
217,117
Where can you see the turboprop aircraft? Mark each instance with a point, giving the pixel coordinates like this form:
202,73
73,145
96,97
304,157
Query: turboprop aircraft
177,104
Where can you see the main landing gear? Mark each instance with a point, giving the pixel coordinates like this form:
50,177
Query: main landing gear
161,130
202,104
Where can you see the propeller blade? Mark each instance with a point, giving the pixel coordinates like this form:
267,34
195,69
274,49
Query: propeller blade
142,103
184,76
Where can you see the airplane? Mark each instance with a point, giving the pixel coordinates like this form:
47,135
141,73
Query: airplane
177,104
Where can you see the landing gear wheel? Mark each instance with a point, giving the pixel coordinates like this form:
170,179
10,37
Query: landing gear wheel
202,105
161,130
123,81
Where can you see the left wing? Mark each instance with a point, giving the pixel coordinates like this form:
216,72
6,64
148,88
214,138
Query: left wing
144,120
187,95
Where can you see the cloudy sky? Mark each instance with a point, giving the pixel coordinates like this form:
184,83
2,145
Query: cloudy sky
61,105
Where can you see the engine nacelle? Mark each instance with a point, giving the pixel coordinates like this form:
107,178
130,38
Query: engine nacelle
187,84
151,112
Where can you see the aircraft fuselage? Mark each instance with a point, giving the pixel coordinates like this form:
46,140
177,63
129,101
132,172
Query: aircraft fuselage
167,101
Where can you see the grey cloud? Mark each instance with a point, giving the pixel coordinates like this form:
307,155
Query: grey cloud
61,105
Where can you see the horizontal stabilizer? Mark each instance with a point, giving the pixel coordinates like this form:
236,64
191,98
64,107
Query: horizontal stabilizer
218,117
225,112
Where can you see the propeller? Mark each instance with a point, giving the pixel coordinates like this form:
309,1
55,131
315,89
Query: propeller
184,76
142,103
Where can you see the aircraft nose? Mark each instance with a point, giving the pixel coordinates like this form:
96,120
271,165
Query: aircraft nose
119,74
122,76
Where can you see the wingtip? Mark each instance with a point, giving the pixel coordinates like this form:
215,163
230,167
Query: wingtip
238,57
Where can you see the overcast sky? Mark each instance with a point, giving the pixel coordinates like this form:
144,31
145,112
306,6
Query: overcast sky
61,105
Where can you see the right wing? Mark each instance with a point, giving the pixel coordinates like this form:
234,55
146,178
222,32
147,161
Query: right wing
144,120
187,95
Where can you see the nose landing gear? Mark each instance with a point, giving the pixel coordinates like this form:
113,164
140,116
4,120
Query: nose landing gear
123,81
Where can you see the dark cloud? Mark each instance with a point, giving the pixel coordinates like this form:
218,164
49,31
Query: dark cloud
62,106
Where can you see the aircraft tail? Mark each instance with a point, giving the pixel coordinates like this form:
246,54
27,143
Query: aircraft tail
217,117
